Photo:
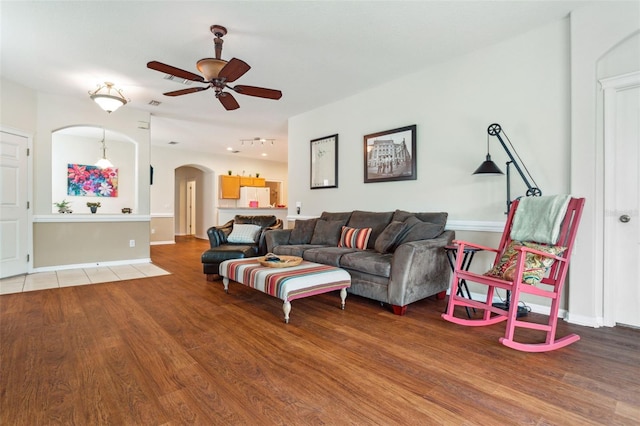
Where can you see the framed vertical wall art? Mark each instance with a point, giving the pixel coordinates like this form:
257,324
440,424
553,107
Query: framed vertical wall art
324,162
390,155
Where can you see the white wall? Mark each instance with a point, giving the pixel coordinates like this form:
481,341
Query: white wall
166,159
523,84
56,112
541,87
68,149
40,114
18,106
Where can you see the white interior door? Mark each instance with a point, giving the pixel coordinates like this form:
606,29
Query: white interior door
622,200
13,205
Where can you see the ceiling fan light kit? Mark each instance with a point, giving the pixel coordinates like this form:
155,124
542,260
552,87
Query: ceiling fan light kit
217,73
108,97
210,67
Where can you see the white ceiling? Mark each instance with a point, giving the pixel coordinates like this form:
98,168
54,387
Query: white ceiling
315,52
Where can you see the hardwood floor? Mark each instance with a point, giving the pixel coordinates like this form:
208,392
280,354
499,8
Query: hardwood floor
176,349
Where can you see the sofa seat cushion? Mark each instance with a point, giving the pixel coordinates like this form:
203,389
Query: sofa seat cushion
294,249
368,261
327,255
228,251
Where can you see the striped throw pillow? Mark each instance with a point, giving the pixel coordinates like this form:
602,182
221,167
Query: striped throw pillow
354,237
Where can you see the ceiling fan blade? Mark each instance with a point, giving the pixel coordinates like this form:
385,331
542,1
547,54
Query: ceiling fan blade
186,91
260,92
168,69
234,69
228,101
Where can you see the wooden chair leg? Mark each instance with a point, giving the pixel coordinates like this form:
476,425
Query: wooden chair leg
399,310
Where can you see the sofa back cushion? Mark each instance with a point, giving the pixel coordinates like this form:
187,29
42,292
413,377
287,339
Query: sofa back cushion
439,218
327,232
343,216
417,230
377,221
262,221
302,231
387,240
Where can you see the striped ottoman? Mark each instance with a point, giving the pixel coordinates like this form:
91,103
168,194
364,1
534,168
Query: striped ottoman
295,282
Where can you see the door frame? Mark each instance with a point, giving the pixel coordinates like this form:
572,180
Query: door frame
611,86
28,175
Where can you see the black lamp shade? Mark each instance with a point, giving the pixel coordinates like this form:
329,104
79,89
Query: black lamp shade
488,167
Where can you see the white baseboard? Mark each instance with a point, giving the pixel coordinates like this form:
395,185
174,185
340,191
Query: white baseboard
90,265
538,309
158,243
594,322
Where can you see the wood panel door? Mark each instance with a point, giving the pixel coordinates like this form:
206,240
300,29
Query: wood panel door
622,200
13,205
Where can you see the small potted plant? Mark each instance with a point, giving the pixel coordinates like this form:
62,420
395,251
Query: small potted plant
229,171
93,206
63,206
257,175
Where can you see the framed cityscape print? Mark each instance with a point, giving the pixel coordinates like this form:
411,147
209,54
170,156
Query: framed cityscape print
390,155
324,162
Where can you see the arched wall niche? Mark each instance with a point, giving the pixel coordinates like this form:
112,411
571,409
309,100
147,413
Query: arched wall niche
81,145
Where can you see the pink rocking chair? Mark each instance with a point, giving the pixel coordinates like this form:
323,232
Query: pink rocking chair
518,280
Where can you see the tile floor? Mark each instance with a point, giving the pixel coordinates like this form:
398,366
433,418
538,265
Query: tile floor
71,277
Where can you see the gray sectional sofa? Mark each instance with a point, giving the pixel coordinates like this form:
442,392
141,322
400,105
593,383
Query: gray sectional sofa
404,259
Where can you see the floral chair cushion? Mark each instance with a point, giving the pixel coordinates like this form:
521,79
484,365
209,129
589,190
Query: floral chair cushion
536,266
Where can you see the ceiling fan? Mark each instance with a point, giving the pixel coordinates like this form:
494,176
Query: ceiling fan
217,73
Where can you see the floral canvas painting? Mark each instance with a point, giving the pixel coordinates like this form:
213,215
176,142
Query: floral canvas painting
91,181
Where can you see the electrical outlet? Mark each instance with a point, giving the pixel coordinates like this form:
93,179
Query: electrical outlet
132,243
153,230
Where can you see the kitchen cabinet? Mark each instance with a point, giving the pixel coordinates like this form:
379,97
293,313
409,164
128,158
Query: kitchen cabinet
252,181
229,187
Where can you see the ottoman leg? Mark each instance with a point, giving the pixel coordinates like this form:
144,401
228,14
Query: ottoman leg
225,281
286,308
343,297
